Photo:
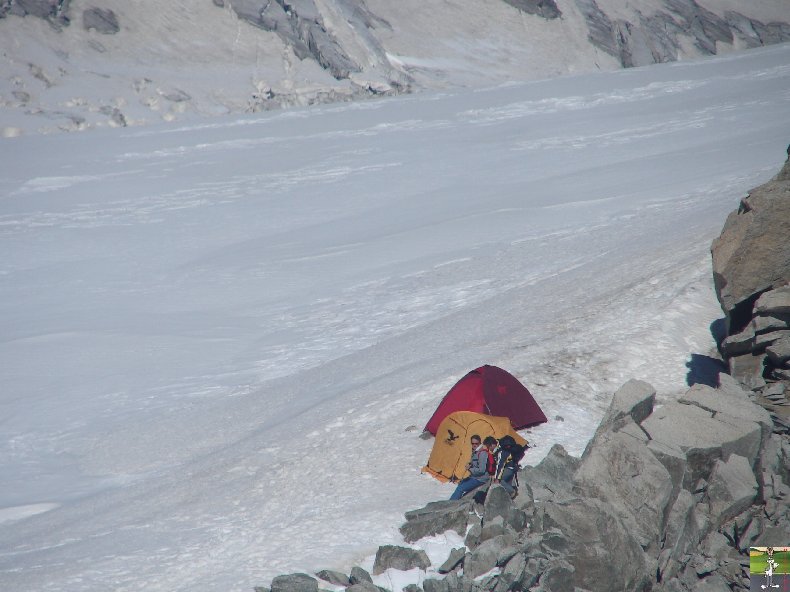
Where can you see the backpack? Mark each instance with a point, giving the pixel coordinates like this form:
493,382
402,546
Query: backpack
509,445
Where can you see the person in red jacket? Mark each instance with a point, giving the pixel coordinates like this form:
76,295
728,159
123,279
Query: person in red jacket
481,467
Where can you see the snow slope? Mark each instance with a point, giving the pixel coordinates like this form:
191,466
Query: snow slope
221,340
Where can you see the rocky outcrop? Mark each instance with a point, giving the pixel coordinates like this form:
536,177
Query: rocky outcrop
56,12
547,9
751,267
101,20
299,23
659,37
666,499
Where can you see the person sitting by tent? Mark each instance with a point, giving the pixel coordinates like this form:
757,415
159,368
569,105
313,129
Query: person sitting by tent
480,468
508,456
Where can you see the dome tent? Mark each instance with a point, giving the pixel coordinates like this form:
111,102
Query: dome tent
451,449
492,391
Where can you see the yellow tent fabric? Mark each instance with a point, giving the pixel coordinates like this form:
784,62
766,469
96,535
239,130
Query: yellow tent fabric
451,449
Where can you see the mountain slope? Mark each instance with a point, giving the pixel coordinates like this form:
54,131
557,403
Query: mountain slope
74,64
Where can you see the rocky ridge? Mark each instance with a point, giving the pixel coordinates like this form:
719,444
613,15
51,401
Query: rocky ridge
756,298
297,52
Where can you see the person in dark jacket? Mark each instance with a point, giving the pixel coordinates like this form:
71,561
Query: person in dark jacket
506,470
478,467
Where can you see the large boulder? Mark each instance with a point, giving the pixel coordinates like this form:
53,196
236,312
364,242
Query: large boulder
704,436
490,554
632,403
622,471
401,558
297,582
101,20
436,518
726,404
752,254
732,488
551,478
602,550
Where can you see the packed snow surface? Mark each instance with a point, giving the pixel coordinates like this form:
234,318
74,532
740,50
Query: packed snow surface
220,341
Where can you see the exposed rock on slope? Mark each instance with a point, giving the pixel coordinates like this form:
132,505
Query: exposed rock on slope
274,53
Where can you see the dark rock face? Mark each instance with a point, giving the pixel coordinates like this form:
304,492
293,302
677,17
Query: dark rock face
297,582
401,558
299,24
435,518
55,11
545,8
101,20
657,38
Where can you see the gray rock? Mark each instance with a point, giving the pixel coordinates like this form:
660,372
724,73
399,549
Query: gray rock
435,585
39,8
732,488
740,343
779,351
558,576
454,582
712,583
364,587
764,340
774,302
455,558
674,460
764,323
748,369
300,25
545,8
473,536
681,535
599,26
334,577
725,403
512,574
622,471
757,232
436,518
634,400
489,554
498,503
359,576
600,547
550,478
703,437
492,528
297,582
742,27
774,536
401,558
517,520
101,20
412,588
705,27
